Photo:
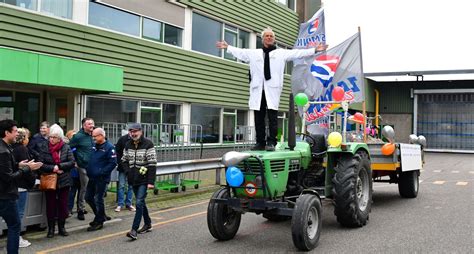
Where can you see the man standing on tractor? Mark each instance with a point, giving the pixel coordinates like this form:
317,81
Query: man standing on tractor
266,83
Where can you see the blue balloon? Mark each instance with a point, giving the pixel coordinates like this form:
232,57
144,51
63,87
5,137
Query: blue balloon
234,176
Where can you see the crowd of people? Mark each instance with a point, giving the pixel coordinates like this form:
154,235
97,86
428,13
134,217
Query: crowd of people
82,163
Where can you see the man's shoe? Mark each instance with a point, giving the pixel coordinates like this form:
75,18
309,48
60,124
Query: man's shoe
118,209
258,147
145,229
108,217
132,234
92,223
80,215
270,147
131,208
95,227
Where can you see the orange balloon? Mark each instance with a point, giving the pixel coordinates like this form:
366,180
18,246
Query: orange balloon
388,149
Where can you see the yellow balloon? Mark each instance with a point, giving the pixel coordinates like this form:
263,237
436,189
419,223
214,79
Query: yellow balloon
334,139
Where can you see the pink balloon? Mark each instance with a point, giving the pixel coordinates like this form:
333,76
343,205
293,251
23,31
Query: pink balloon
359,117
338,93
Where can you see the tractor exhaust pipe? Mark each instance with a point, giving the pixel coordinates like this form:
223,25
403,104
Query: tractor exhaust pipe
291,124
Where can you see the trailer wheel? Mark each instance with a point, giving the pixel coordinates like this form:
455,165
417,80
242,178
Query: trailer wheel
306,222
408,184
352,189
155,191
183,188
223,222
275,217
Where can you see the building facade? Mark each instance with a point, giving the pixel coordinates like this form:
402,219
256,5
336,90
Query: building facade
123,61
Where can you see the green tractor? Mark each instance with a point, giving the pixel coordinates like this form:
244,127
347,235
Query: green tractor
290,182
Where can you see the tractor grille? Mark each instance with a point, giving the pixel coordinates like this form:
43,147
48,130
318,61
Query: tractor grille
252,165
277,165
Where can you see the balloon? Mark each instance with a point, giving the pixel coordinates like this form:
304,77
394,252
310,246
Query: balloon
338,93
334,139
413,139
359,117
301,99
388,149
388,132
234,176
422,140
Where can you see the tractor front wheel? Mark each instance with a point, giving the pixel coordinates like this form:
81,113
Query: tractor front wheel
352,189
306,222
223,222
408,184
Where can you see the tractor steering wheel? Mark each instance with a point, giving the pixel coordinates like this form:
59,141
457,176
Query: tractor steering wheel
313,141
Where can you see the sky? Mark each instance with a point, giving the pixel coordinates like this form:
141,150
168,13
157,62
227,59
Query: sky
405,35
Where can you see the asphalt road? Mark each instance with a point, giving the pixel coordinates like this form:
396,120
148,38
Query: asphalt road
439,220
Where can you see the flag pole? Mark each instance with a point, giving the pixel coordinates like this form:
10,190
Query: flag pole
365,87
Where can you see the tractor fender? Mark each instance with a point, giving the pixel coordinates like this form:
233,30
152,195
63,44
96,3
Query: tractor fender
311,192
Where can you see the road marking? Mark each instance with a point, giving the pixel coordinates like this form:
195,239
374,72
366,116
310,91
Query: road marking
455,171
439,182
180,207
437,171
462,183
422,170
471,172
156,217
121,233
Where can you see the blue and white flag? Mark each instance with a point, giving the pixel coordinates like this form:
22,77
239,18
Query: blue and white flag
339,66
310,35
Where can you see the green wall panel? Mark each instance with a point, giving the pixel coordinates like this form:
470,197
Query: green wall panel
253,15
151,70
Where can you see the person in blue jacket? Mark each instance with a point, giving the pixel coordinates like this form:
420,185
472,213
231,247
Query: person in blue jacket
102,161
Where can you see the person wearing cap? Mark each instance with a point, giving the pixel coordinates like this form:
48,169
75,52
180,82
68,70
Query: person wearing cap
139,161
82,143
103,160
266,70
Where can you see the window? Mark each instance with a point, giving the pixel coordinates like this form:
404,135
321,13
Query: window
288,3
114,19
173,35
99,110
58,8
152,30
259,43
208,118
27,4
244,39
207,31
205,34
230,36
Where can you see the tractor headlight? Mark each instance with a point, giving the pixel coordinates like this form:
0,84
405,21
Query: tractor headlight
234,158
334,139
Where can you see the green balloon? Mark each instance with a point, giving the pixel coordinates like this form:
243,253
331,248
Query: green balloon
301,99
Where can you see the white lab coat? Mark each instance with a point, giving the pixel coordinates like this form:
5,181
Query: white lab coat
273,86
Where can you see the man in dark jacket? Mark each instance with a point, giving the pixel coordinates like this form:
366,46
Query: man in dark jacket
82,143
123,198
102,161
40,137
139,161
11,175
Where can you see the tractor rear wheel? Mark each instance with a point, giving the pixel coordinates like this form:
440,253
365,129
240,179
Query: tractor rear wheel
408,184
306,222
223,222
352,189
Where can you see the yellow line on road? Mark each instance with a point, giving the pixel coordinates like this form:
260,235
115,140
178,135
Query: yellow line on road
462,183
180,207
121,233
439,182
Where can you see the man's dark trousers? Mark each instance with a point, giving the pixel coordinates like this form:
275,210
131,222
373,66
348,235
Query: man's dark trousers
9,212
260,123
96,188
